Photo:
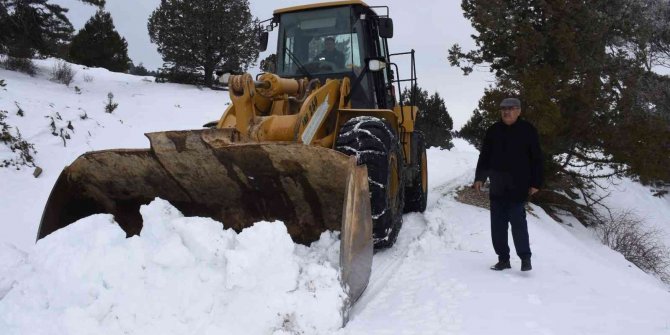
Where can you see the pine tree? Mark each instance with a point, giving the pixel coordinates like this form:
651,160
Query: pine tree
269,63
138,70
99,45
579,69
204,35
433,118
475,129
99,3
32,26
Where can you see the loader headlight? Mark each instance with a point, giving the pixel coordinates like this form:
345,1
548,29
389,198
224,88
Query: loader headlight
376,65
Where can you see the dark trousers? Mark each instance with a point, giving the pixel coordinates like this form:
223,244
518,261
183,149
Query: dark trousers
502,213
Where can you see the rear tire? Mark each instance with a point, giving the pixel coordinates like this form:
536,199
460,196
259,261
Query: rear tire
416,192
375,144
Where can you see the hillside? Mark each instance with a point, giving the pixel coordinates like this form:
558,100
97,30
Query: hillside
143,106
186,276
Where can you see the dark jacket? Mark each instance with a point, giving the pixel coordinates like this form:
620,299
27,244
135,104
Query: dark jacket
336,57
511,158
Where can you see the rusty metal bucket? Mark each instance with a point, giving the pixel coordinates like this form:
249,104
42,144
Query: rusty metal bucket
203,173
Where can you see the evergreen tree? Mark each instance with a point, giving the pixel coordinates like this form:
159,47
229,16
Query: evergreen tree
99,45
433,118
582,71
204,35
475,129
99,3
32,26
138,70
269,63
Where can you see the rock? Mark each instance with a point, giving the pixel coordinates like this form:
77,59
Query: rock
37,172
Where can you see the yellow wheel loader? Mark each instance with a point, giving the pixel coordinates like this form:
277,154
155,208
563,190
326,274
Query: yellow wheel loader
322,142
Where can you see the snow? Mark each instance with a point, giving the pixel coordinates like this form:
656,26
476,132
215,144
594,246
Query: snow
186,275
436,279
628,195
181,275
144,106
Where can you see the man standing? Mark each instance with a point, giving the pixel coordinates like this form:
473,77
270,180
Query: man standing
511,158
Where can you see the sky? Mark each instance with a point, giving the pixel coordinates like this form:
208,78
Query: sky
428,27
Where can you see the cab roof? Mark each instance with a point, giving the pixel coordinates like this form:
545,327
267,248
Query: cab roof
319,5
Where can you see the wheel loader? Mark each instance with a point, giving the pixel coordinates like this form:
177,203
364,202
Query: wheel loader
318,143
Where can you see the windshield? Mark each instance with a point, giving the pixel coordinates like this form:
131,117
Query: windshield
318,42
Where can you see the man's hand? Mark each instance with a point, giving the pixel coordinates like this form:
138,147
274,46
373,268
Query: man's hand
532,191
477,186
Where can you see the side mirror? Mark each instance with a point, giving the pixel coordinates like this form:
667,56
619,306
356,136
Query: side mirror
385,27
263,41
375,65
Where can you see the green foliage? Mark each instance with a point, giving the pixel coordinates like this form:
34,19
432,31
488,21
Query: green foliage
179,74
475,129
32,26
140,70
433,118
110,105
23,150
582,71
24,65
20,112
269,64
200,36
99,45
99,3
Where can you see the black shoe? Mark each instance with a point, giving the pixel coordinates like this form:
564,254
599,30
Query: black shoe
525,265
501,265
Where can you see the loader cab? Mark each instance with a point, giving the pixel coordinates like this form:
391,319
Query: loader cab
333,41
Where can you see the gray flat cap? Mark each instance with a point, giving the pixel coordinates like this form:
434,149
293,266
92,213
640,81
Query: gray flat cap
510,102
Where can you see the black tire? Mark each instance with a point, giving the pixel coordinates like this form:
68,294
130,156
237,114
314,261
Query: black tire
375,144
416,190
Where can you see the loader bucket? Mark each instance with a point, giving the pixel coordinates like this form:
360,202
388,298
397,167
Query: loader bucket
311,189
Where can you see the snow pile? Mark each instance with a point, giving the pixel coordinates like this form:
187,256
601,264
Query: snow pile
183,275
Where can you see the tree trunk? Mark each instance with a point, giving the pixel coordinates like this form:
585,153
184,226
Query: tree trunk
209,72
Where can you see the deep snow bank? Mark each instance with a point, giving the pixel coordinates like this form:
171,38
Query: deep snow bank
183,275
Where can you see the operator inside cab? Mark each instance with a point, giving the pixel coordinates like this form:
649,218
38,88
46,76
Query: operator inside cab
329,43
323,43
331,54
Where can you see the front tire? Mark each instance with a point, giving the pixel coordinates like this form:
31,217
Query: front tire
375,144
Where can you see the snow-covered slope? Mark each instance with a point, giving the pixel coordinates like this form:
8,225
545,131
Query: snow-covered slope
436,279
143,106
183,276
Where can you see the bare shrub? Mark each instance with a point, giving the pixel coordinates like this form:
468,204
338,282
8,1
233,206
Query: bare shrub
88,78
641,245
24,65
63,73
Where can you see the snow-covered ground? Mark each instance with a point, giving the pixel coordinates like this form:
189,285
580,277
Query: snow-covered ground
186,276
143,106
